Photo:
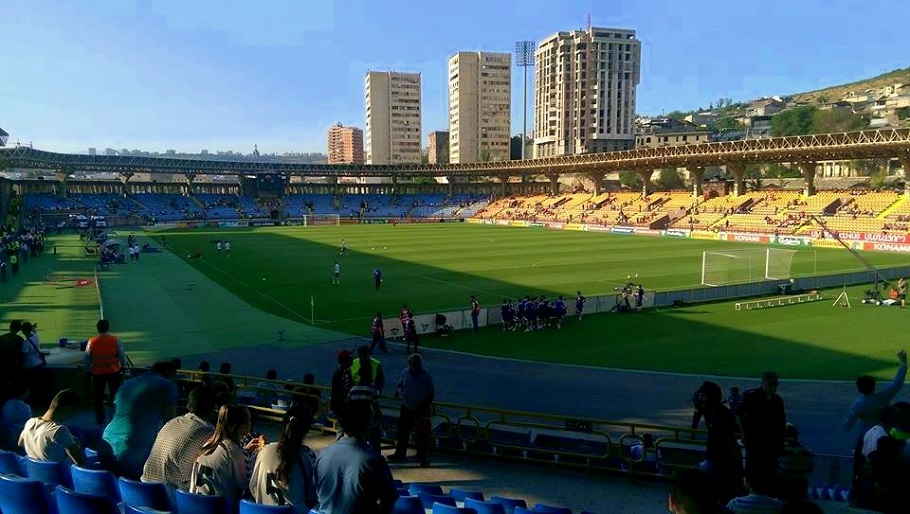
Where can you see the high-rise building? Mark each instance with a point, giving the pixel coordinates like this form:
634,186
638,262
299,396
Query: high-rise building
584,91
438,147
92,150
345,145
480,103
393,117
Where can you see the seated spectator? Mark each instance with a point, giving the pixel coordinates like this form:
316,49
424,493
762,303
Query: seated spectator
794,467
693,493
350,475
221,467
15,410
177,443
266,394
758,500
284,473
141,407
888,419
47,438
252,442
226,369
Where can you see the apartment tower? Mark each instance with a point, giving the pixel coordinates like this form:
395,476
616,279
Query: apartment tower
438,147
584,92
345,145
480,102
393,117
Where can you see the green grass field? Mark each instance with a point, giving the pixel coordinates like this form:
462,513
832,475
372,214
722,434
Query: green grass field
273,273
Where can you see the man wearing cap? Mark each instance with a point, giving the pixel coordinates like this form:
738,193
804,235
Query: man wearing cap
764,425
416,390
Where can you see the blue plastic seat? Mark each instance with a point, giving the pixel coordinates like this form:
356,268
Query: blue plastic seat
429,499
416,488
547,509
132,509
408,505
71,502
95,481
24,496
483,507
461,494
449,509
144,494
51,473
9,463
509,503
248,507
189,503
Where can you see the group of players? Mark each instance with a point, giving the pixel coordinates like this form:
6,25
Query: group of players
537,313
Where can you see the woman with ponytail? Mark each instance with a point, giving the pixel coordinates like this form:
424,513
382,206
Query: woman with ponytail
284,471
220,468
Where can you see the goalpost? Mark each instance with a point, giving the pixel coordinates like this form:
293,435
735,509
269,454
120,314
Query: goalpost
316,220
719,268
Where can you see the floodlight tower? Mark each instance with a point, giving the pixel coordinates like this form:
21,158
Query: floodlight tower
524,57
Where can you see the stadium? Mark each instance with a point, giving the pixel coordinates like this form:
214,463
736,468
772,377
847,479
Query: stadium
699,311
752,279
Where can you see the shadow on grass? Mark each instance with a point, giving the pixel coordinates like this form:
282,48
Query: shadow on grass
280,273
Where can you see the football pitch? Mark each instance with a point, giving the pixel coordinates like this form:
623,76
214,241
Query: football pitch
281,277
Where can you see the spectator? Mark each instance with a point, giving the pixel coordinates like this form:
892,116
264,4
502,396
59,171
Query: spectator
367,370
693,493
141,407
221,467
351,476
284,473
722,452
225,369
758,500
416,390
764,423
308,394
32,356
796,465
105,361
11,355
342,382
266,391
15,410
867,407
47,438
177,443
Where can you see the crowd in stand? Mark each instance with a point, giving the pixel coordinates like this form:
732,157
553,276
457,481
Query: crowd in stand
212,449
17,247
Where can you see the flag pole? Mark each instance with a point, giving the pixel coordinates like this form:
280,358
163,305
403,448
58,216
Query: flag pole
312,310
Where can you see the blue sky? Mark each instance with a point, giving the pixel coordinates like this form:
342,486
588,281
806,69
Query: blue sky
227,74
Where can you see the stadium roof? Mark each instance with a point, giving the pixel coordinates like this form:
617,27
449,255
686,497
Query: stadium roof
885,143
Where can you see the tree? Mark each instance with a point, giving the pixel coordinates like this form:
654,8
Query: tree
902,113
484,154
669,179
869,167
836,120
793,122
728,123
630,179
778,170
677,115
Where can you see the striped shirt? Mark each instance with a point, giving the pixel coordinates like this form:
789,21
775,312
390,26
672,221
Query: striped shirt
175,450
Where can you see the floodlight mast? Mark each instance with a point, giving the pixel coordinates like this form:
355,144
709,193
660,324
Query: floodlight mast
524,57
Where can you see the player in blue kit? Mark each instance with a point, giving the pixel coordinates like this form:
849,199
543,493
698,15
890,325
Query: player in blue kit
579,304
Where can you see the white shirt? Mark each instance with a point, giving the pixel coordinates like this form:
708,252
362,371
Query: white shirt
227,247
46,440
31,356
337,268
218,246
870,440
225,474
300,487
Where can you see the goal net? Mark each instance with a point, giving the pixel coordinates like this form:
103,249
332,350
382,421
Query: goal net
316,220
720,268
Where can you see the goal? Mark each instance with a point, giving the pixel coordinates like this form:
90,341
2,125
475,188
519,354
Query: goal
720,268
316,220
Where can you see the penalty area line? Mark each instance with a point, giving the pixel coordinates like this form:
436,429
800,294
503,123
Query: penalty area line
456,284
